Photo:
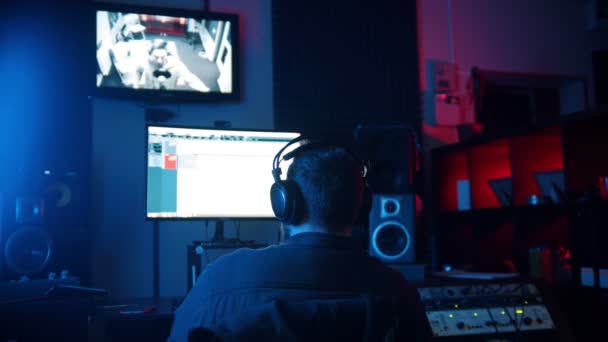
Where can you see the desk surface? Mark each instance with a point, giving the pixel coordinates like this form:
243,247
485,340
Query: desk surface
229,244
133,319
136,308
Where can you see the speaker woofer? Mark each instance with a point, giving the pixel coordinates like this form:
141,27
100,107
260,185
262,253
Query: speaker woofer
28,250
391,240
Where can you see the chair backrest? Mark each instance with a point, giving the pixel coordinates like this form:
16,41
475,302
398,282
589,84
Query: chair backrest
362,318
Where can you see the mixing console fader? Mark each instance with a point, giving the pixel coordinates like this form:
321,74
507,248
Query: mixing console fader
506,309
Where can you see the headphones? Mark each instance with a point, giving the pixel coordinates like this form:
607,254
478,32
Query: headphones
285,195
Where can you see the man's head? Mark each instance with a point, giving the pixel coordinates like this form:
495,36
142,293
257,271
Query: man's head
331,185
159,54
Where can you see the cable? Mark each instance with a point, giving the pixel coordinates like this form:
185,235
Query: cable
488,308
206,230
238,230
518,331
450,30
511,319
416,138
493,320
514,320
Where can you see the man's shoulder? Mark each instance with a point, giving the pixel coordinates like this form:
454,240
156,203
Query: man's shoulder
244,255
336,269
246,252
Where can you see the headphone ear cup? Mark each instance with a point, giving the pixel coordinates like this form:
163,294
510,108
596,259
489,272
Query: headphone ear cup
286,201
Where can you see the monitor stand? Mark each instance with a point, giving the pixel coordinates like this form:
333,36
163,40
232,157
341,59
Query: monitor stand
219,241
218,236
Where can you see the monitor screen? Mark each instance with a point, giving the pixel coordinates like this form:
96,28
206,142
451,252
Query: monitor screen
211,173
166,53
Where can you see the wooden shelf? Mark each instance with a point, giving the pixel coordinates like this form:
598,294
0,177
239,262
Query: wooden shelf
539,161
510,212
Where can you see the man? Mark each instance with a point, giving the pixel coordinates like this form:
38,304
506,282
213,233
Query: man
130,48
164,70
318,260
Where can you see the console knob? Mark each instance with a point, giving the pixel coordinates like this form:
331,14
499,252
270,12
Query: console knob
539,321
527,320
460,325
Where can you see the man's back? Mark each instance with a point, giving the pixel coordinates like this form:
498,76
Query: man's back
307,266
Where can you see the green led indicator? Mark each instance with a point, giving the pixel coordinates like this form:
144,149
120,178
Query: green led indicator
475,314
451,316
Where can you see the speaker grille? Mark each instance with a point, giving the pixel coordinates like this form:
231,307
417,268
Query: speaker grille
28,250
391,240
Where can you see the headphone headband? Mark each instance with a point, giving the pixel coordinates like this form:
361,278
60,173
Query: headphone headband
311,145
285,195
276,162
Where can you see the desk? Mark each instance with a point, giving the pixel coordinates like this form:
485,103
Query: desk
41,310
45,320
86,319
109,324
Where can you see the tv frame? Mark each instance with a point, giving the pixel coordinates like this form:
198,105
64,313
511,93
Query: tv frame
156,96
210,218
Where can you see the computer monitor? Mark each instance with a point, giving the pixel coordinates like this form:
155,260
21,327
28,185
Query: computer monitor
210,173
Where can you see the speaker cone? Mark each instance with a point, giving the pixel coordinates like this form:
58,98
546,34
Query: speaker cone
390,240
28,250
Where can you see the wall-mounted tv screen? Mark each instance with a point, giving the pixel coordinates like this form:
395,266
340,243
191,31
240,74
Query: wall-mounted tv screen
166,54
208,173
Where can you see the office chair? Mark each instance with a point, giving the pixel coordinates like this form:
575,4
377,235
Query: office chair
363,318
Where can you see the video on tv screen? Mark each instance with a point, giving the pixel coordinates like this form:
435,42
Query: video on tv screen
146,50
211,173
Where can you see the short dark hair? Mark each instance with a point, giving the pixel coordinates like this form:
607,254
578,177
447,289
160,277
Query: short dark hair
331,183
158,44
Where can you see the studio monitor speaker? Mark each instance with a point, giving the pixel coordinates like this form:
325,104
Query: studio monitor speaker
43,225
391,228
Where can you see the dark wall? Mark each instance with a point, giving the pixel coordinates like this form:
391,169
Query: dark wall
123,240
337,63
45,120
